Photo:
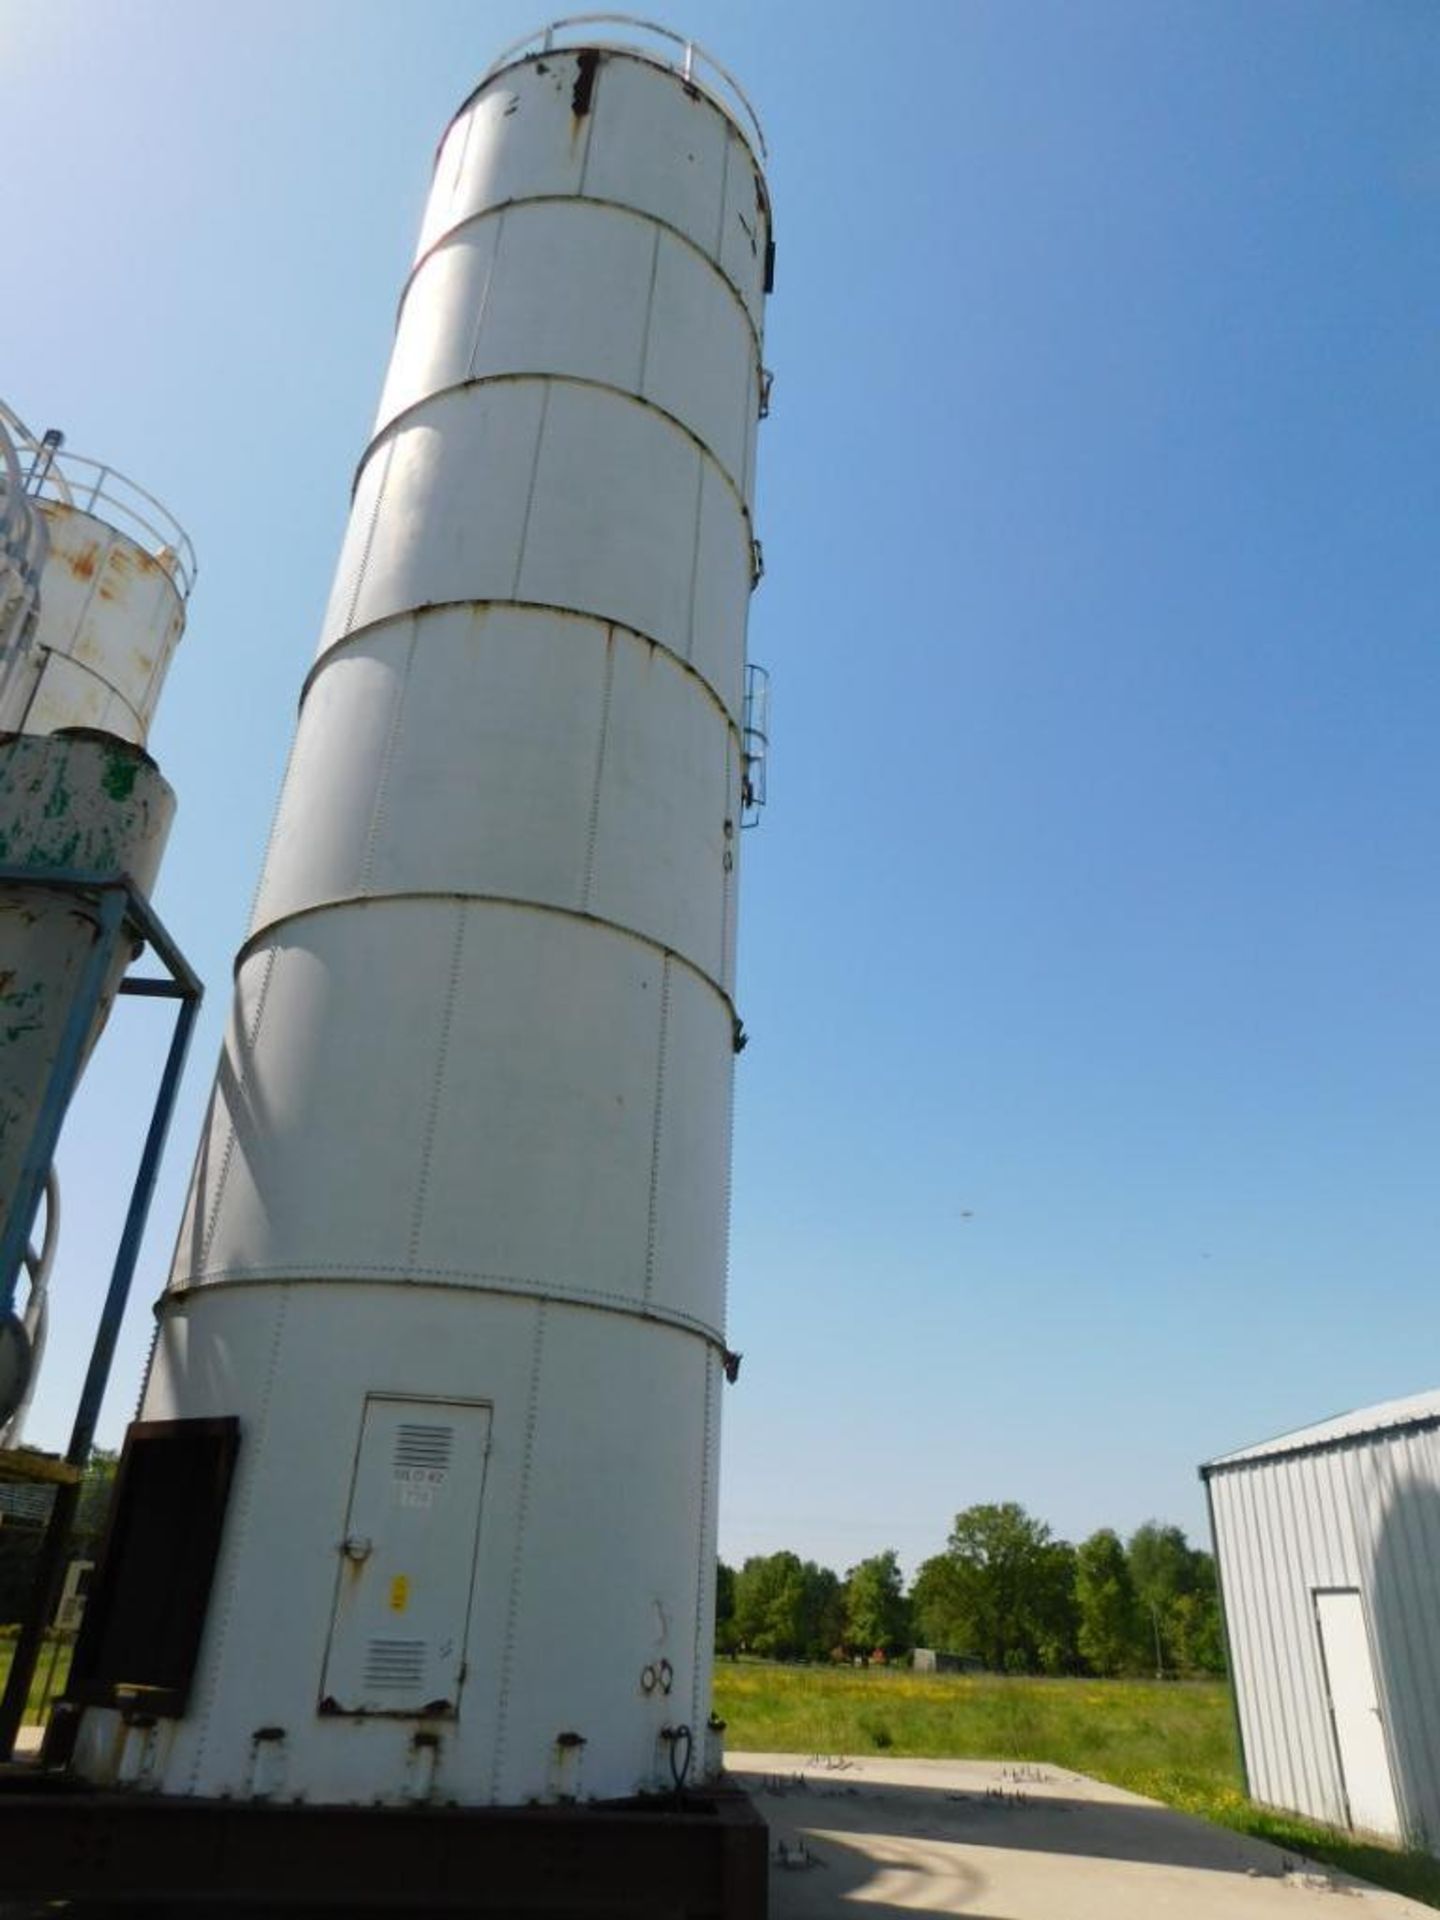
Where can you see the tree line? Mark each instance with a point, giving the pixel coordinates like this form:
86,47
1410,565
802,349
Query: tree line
1005,1594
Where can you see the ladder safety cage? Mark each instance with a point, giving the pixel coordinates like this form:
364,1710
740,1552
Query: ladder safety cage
754,745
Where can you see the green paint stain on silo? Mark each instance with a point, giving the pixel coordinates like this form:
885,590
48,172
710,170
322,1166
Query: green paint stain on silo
118,778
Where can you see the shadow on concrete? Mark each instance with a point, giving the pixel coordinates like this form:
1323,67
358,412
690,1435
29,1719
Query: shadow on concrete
1041,1818
845,1871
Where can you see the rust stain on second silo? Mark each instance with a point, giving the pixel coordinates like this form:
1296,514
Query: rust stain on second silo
83,561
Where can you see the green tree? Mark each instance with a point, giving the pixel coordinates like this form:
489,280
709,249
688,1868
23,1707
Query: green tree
93,1508
1109,1618
787,1608
1006,1592
876,1614
1054,1617
1160,1562
940,1613
1176,1590
1197,1634
726,1639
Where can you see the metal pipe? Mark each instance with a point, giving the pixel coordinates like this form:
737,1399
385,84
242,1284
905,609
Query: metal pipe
37,1308
51,1559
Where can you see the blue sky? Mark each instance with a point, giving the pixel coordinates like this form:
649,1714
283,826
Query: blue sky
1090,1122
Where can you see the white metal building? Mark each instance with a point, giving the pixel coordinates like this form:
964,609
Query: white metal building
1328,1547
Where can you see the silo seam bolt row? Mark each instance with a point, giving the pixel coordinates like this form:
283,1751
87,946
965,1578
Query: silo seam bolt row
235,1543
512,1610
252,1034
452,984
387,761
657,1124
603,734
483,603
551,377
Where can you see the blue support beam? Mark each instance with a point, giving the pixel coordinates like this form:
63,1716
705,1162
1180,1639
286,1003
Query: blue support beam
123,912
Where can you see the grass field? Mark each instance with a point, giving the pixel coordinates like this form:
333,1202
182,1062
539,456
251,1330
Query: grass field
48,1679
1172,1741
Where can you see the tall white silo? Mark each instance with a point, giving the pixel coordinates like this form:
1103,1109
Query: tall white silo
455,1248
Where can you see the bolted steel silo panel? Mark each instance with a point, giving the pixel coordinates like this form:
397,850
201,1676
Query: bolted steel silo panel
469,1141
595,293
439,511
553,494
460,746
525,1082
702,357
469,313
623,502
666,808
689,1213
723,579
513,753
654,1450
552,1133
340,1013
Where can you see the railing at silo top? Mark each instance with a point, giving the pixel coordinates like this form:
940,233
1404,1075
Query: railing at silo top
89,486
695,66
72,480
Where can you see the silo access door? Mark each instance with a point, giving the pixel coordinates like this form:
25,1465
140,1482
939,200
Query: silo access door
407,1559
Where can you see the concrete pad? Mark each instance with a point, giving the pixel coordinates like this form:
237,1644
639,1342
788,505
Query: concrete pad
997,1841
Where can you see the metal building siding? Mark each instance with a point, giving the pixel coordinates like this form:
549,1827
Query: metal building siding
1406,1556
1349,1509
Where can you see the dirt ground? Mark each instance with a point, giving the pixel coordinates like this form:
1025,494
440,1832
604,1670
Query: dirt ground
1002,1842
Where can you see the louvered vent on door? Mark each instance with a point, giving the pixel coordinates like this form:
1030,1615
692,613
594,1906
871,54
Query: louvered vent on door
423,1446
392,1664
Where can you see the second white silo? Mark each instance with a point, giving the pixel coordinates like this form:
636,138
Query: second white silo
454,1254
83,658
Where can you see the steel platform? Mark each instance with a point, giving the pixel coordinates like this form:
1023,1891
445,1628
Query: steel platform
704,1857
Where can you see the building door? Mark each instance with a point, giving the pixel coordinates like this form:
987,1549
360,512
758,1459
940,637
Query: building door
1355,1711
402,1600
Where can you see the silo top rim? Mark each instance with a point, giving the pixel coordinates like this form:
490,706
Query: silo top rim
692,60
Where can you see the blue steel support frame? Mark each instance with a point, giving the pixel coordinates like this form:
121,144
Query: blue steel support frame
124,911
122,907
